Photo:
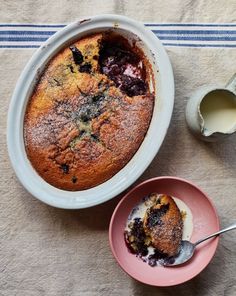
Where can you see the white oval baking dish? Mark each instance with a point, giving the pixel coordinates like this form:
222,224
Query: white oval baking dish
164,84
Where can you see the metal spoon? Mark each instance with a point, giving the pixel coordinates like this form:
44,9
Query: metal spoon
187,248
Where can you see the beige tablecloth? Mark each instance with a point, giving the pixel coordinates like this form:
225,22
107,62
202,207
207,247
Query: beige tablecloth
48,251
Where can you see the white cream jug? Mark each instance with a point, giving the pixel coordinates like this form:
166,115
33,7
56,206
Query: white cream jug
211,111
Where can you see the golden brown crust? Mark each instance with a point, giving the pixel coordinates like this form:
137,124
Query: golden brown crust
68,150
164,225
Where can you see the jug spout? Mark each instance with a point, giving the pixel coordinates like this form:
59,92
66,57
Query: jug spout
209,135
218,113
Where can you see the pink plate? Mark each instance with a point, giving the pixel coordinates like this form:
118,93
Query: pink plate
205,221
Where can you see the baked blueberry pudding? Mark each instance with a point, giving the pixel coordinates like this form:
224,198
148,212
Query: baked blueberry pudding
89,112
154,229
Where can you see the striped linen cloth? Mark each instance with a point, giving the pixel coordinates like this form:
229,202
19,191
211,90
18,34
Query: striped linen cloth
46,251
187,35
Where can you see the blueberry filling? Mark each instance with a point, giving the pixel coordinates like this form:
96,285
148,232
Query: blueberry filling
88,111
120,63
94,137
132,86
138,245
78,59
155,257
124,67
85,114
138,242
93,107
82,132
85,68
74,179
154,216
65,168
97,98
77,55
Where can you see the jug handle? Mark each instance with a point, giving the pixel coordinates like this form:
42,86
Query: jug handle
231,85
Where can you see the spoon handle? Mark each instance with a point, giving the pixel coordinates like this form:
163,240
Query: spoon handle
231,227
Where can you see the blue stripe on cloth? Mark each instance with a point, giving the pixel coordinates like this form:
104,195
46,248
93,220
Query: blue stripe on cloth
199,45
28,39
159,32
190,25
198,37
27,32
171,38
31,26
194,32
19,46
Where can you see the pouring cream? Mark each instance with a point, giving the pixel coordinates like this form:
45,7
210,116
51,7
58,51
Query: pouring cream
218,109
